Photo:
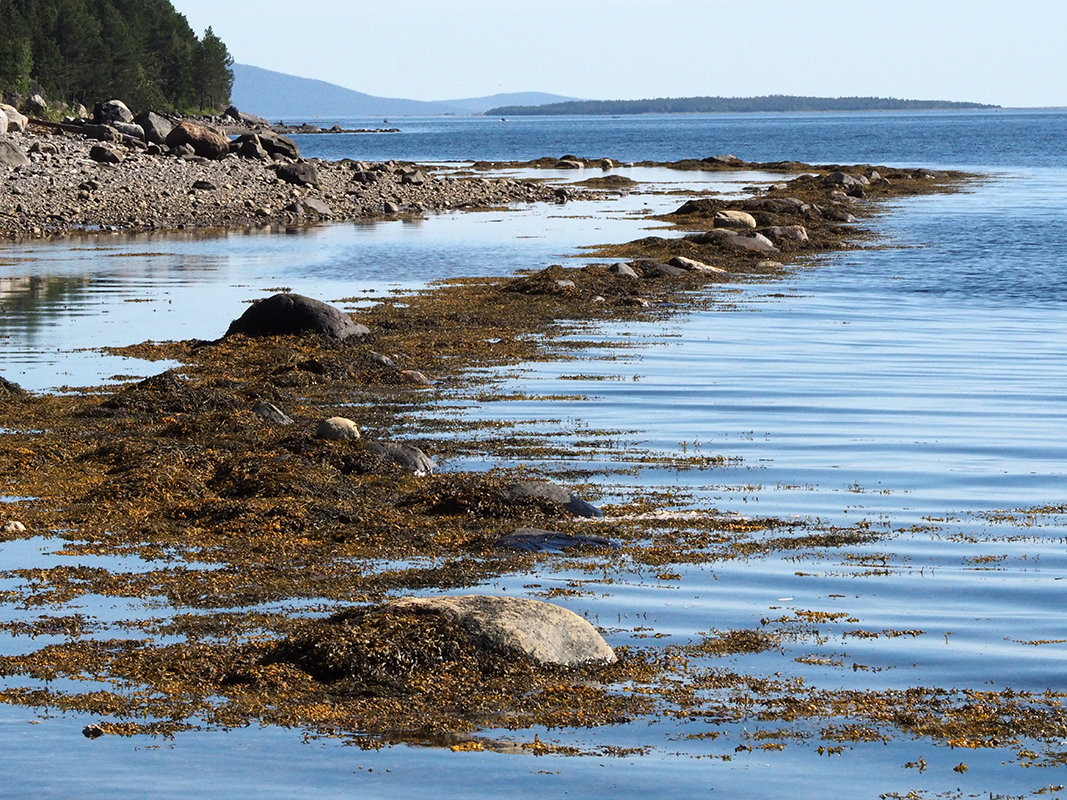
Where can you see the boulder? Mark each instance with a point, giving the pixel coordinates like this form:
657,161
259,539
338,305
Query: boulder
691,265
846,180
787,233
12,526
416,178
781,205
14,120
535,540
36,105
309,206
278,145
4,124
300,173
271,413
204,141
12,156
156,128
110,112
405,455
623,270
249,145
285,314
105,154
566,163
546,634
337,429
724,161
101,133
415,378
245,118
130,129
756,242
554,495
728,218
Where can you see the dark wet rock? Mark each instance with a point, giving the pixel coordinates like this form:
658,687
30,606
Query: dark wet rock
553,494
337,429
105,154
704,206
301,174
536,540
204,141
406,456
546,634
93,731
156,128
110,112
390,207
286,314
12,156
205,186
272,413
101,133
652,269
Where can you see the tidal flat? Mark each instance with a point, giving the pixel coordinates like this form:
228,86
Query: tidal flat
173,496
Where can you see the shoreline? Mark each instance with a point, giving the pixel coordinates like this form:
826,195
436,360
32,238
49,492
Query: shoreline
177,467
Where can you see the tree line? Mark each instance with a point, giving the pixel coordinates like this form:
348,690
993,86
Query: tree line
140,51
695,105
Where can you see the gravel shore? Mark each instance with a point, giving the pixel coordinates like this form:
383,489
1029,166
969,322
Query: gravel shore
64,191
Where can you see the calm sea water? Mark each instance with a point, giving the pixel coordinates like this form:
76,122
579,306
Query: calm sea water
923,379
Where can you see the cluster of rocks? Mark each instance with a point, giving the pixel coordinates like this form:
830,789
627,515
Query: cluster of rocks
120,172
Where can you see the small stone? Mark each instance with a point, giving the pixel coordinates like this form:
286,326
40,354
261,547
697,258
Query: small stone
337,429
203,185
692,265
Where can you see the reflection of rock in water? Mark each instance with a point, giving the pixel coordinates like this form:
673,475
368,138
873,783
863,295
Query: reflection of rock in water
26,293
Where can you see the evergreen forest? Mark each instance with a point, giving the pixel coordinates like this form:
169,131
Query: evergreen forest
140,51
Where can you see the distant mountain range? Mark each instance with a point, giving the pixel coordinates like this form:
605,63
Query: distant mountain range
278,96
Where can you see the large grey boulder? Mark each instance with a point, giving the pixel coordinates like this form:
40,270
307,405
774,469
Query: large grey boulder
110,112
553,494
407,456
105,154
547,634
156,128
285,314
787,233
249,145
755,242
12,156
846,180
130,129
3,124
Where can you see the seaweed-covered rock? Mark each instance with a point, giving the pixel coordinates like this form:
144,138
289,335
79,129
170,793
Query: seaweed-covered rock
287,314
546,634
10,390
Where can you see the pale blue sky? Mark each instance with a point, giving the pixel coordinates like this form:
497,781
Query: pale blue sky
1007,52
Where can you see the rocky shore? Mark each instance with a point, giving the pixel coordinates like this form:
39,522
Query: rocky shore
63,179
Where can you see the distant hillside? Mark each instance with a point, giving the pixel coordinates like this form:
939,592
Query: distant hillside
690,105
277,95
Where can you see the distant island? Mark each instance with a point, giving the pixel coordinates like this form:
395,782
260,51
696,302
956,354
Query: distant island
703,105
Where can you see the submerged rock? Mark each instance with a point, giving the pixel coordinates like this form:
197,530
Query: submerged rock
547,634
286,314
535,540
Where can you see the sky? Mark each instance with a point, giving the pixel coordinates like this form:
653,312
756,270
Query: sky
1005,52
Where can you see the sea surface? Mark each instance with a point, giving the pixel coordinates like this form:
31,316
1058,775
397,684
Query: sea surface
917,386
